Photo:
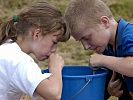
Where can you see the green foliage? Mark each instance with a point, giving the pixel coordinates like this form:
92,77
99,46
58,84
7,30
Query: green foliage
123,9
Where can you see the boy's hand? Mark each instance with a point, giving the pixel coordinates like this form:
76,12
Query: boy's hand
114,86
95,60
56,62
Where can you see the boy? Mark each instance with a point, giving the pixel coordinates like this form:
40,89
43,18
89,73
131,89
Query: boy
91,22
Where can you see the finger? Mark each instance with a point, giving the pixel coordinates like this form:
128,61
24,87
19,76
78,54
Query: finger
94,52
116,83
119,93
89,62
119,86
113,76
95,68
116,91
52,54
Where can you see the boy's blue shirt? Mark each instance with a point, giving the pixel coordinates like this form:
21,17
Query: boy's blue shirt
124,46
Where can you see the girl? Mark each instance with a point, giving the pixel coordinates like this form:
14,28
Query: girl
37,29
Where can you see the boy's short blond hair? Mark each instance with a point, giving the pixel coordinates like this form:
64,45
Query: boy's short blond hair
85,12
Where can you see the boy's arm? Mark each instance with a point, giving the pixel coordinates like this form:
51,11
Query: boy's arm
51,88
123,65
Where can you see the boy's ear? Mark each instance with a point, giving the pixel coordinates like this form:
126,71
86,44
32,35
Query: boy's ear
36,33
105,21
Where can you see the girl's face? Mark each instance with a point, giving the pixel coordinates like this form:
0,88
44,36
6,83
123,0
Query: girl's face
95,38
45,45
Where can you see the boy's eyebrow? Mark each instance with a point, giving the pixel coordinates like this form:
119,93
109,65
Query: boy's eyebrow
78,39
81,38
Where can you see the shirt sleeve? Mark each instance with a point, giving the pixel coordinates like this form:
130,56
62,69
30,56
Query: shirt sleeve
27,76
127,42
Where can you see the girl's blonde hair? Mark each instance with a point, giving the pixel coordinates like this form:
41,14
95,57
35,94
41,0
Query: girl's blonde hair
38,14
85,12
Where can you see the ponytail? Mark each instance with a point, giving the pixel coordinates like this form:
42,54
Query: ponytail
7,31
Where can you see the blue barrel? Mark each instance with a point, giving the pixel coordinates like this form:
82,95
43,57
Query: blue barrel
80,83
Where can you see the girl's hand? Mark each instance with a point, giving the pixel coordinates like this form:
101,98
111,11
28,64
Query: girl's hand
114,86
56,62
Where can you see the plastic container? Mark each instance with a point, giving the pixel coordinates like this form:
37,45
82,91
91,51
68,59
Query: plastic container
79,83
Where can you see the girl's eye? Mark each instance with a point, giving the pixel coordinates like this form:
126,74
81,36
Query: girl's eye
54,42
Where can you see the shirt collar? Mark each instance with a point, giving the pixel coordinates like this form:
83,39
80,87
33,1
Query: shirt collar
16,46
121,27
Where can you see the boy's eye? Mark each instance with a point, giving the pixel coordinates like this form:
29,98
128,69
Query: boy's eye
87,38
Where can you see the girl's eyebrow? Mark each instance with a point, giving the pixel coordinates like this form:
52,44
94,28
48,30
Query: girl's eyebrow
56,34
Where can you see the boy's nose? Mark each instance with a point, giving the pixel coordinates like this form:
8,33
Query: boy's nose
86,45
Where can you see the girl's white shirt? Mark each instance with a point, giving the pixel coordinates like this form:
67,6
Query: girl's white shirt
19,73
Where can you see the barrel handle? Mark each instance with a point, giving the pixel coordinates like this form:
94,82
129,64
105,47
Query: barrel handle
88,81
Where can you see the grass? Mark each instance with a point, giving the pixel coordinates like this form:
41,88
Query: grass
72,51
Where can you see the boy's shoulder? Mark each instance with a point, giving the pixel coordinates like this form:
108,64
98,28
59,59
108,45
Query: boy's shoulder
124,28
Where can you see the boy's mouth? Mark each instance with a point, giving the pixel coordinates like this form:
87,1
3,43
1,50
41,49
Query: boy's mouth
98,50
94,49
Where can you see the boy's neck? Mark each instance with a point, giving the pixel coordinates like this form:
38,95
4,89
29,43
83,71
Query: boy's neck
113,34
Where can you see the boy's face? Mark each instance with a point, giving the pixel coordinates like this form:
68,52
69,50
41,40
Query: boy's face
95,38
46,45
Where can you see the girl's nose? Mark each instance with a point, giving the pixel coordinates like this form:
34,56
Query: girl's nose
53,50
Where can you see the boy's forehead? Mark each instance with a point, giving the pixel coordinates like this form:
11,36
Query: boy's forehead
78,35
79,31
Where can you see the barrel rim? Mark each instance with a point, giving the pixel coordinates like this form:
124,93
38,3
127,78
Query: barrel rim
84,76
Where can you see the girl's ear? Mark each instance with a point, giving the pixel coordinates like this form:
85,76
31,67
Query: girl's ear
36,33
105,21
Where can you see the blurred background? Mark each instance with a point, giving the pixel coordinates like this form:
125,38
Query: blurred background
72,51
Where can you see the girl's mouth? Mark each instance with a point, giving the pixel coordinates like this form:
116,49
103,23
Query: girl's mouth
44,58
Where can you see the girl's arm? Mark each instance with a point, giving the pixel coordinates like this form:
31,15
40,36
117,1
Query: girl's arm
51,88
